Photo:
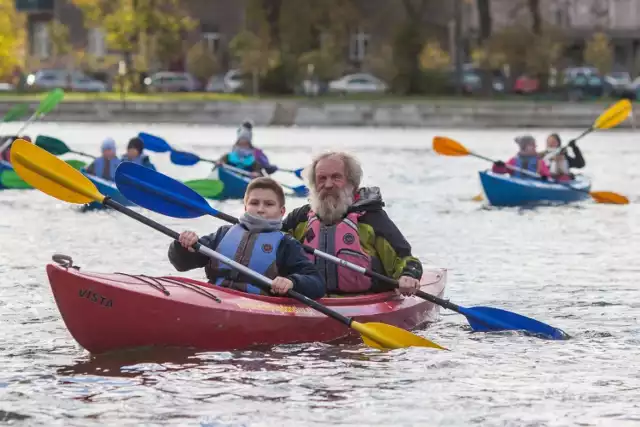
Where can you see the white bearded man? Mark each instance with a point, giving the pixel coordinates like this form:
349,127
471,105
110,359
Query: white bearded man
349,222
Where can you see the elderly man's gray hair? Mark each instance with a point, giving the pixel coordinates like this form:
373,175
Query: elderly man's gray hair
353,169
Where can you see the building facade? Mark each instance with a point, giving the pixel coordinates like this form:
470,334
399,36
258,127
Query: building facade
579,19
220,20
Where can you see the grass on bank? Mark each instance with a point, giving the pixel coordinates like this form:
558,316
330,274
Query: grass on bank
213,97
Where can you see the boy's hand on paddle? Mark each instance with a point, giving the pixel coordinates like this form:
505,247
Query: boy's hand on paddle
281,285
187,239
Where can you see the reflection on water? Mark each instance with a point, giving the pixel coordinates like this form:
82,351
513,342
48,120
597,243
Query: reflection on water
572,267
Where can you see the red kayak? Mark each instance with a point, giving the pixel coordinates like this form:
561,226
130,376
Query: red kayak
108,312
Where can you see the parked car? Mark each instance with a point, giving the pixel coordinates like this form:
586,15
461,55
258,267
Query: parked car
234,81
170,81
526,84
619,81
472,82
358,83
77,81
216,84
581,82
631,90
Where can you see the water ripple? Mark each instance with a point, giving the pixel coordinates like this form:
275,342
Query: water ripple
573,267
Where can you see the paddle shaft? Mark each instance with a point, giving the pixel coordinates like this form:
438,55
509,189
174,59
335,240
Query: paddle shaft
262,281
236,170
369,273
26,124
80,153
264,173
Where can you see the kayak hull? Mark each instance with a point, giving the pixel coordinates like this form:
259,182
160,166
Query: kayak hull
235,184
111,312
504,190
3,167
108,189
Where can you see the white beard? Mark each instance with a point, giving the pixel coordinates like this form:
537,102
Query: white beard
331,209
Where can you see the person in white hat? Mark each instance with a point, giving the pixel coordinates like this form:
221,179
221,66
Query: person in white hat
105,165
245,156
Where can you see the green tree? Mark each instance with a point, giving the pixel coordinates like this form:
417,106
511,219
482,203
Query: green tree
433,57
158,24
12,37
599,52
201,62
525,52
254,54
408,42
60,44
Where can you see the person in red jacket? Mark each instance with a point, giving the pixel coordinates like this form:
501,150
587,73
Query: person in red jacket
6,153
526,159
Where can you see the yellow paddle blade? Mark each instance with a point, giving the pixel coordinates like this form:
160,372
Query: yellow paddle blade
449,147
51,175
614,115
478,198
609,197
383,336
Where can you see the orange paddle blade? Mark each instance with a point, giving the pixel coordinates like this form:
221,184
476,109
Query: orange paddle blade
448,147
609,197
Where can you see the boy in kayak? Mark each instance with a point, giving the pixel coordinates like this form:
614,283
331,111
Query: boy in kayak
105,166
134,154
560,165
527,159
256,242
245,156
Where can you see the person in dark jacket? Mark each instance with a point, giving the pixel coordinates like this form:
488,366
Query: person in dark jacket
256,242
560,164
134,154
349,222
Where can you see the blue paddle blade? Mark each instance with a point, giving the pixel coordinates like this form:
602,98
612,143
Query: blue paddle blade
160,193
183,158
485,319
298,172
301,190
154,143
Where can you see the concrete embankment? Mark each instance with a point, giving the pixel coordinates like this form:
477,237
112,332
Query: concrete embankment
427,113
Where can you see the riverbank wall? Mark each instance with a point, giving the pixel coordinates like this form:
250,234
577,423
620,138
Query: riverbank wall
472,114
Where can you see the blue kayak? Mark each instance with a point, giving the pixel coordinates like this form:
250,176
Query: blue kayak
505,190
234,184
108,189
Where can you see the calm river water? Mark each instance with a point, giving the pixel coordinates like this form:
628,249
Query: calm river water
575,267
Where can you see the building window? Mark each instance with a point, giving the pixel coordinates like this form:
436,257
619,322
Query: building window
212,41
41,42
358,46
96,45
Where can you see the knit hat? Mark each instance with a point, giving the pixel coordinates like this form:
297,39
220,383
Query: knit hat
244,134
524,140
136,143
108,144
247,123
